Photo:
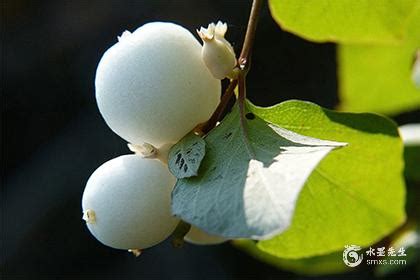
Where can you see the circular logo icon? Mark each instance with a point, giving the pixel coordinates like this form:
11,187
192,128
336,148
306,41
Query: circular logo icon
351,257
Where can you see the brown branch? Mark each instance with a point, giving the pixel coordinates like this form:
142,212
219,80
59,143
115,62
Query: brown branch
250,33
217,115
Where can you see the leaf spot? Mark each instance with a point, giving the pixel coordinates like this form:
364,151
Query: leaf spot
227,135
250,116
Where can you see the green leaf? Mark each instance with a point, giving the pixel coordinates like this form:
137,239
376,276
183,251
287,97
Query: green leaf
412,163
248,183
185,157
379,78
356,195
319,265
415,75
348,21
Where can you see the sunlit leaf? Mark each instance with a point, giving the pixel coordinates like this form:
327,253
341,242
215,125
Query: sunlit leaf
344,21
375,78
356,195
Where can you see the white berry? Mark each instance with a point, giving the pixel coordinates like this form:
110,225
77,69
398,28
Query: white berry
199,237
126,202
153,86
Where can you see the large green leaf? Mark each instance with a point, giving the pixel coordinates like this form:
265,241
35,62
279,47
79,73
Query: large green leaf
378,78
349,21
356,195
318,265
248,183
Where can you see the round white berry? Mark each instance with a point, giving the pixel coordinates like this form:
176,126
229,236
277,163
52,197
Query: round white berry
126,202
153,86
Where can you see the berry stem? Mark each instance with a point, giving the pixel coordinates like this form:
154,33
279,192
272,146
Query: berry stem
178,235
217,115
245,56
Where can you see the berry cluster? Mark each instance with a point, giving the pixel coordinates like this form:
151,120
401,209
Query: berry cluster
152,87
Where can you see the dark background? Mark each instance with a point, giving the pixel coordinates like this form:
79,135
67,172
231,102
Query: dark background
53,136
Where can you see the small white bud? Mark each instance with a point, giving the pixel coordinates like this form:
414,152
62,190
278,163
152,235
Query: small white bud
217,52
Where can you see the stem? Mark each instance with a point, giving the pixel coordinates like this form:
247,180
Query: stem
178,235
245,56
220,108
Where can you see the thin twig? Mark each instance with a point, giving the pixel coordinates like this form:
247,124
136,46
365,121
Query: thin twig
207,126
250,33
